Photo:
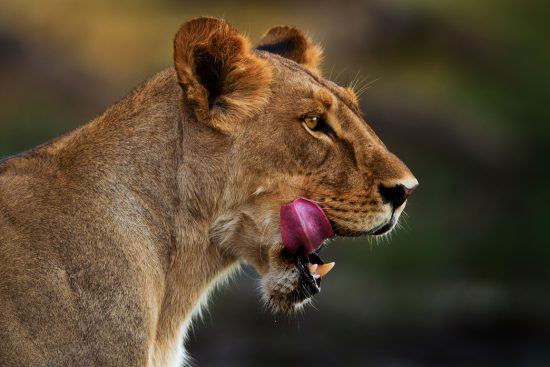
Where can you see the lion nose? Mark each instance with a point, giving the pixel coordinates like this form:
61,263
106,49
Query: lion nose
396,195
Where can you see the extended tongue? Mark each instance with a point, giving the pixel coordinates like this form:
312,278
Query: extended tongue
304,226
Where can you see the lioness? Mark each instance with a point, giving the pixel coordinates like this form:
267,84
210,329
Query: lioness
112,236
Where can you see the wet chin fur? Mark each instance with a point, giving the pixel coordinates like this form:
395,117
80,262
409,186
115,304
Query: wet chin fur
283,291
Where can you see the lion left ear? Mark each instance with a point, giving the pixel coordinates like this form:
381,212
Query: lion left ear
293,44
222,80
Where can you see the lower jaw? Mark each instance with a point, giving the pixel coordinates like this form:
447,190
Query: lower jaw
384,229
308,286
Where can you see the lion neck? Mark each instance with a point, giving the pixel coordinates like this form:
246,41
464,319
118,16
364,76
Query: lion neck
197,263
172,168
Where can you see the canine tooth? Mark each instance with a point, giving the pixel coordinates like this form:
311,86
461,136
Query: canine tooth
312,268
323,269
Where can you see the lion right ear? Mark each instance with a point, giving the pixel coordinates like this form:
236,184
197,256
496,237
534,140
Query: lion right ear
293,44
222,80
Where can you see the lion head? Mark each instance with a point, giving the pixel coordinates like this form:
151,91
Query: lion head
275,130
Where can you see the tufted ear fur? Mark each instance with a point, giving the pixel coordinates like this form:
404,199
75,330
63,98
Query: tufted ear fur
293,44
222,80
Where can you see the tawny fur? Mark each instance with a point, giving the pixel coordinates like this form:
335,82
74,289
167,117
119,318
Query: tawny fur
112,235
293,44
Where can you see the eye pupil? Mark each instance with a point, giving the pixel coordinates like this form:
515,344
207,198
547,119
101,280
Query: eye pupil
311,122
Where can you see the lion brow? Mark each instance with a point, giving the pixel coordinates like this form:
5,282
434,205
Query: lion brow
315,78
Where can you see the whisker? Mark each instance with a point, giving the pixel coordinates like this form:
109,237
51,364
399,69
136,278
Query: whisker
363,88
331,71
354,81
357,81
339,74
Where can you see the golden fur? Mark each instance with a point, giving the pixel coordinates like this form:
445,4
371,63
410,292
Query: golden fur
112,235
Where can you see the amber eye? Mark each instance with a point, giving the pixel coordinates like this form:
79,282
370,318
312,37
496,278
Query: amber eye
311,122
317,124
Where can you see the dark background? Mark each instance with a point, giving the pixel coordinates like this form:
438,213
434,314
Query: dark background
458,89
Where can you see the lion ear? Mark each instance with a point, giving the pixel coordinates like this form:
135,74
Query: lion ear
292,44
222,80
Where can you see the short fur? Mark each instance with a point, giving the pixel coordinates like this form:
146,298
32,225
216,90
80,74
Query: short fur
293,44
112,235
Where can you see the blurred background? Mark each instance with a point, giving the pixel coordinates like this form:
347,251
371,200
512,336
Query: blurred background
458,89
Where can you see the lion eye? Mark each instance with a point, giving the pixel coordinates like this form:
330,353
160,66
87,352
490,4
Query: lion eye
317,124
312,122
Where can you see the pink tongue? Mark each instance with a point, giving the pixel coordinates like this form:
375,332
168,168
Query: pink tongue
304,226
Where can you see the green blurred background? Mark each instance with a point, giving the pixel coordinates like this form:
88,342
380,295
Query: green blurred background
458,89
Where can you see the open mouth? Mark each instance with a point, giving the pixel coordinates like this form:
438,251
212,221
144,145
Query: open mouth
304,228
312,269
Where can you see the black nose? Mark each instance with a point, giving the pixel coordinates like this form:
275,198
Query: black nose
395,195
